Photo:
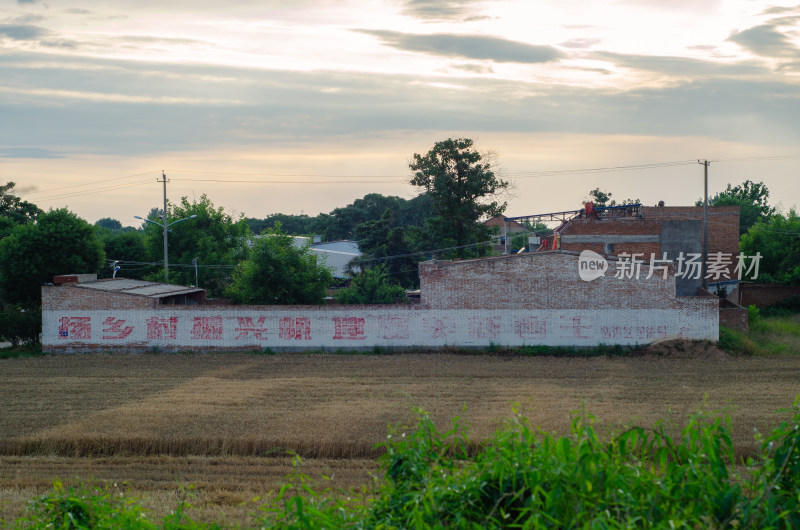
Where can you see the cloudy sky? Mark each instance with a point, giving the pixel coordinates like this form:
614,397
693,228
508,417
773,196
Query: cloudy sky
276,106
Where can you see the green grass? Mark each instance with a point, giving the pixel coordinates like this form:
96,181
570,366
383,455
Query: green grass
27,350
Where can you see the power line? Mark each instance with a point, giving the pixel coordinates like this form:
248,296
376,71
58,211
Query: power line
89,183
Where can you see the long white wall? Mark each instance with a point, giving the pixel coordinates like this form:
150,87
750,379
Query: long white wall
180,328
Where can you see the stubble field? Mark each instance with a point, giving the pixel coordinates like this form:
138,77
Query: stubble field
226,424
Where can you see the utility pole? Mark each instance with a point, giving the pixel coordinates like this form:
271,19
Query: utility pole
705,164
166,252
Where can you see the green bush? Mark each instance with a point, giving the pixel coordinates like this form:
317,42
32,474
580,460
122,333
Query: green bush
373,286
20,326
84,507
524,478
753,315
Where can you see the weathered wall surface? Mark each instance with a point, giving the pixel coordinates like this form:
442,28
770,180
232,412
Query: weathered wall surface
765,294
541,280
293,327
535,298
71,296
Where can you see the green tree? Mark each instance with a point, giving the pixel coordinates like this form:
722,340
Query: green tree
277,272
602,199
463,189
13,210
214,237
777,239
752,200
58,243
108,223
373,286
127,247
379,243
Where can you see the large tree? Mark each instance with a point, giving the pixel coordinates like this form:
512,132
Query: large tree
464,189
277,271
752,200
777,240
214,237
59,242
13,210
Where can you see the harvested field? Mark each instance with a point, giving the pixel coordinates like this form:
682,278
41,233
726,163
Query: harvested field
226,422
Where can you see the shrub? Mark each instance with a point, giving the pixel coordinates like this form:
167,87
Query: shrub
373,286
21,326
529,479
753,315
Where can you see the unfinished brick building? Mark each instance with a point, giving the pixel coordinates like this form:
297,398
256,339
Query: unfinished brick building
648,231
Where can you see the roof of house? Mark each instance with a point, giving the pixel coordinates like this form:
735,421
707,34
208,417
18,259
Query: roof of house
347,246
137,287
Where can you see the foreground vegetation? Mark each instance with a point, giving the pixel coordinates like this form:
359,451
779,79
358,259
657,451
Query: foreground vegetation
520,478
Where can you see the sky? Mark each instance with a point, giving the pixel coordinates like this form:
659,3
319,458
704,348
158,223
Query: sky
303,106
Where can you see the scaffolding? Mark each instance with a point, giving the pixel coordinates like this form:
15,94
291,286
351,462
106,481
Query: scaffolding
601,213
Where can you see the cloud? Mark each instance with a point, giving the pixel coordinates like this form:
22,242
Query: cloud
468,46
28,152
438,9
139,108
22,31
24,2
681,67
767,41
580,43
779,10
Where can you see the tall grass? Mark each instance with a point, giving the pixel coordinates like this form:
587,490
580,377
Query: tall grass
524,478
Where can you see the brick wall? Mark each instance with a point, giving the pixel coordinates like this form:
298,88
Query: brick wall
539,280
536,298
199,328
765,294
73,296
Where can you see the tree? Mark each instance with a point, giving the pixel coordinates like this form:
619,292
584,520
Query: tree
278,272
602,199
463,190
59,242
214,237
381,244
777,239
373,286
13,210
108,223
127,247
750,197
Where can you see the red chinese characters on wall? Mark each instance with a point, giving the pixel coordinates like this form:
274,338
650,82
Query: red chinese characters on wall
115,329
483,328
246,327
393,327
207,328
294,328
162,328
348,328
575,327
438,328
75,328
530,328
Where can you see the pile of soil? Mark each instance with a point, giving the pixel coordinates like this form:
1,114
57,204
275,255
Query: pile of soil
683,349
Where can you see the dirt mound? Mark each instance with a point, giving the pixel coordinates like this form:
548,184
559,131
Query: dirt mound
684,349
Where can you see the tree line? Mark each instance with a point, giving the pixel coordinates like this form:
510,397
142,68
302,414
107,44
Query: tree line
255,261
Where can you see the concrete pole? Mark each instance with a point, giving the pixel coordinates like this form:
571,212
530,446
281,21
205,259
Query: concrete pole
166,251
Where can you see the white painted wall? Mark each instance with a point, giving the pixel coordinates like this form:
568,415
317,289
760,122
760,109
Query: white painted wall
292,327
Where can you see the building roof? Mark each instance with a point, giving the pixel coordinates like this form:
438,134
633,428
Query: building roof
137,287
347,246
